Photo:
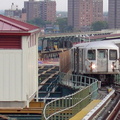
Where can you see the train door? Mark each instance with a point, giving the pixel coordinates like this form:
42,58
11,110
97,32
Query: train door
72,59
102,60
76,60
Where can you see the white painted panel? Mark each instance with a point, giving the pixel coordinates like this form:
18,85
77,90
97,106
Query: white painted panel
10,75
1,75
30,72
24,69
6,76
19,72
18,76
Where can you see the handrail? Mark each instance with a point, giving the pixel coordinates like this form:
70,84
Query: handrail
67,107
72,80
74,100
117,79
49,87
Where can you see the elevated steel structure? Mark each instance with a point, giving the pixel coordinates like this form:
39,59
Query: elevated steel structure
66,40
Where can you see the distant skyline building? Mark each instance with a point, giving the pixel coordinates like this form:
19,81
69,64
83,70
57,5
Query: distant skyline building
97,10
32,9
82,13
114,14
46,10
16,13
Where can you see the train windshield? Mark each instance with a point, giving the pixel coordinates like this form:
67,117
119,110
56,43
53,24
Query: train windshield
91,54
113,55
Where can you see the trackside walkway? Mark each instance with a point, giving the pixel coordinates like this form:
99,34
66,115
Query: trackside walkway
80,115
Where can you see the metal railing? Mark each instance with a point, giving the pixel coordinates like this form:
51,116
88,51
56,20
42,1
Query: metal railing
75,81
65,107
117,79
50,88
53,85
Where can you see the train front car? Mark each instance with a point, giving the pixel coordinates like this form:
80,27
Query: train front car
97,59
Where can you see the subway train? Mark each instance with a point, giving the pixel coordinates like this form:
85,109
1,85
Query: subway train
97,59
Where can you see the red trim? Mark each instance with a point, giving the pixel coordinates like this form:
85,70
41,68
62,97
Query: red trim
10,42
18,24
15,34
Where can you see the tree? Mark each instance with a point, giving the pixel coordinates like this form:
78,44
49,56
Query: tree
62,22
39,22
99,25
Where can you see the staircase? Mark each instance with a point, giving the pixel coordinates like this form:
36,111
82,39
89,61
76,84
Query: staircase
48,81
49,86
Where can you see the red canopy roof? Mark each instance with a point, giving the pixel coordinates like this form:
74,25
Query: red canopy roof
8,25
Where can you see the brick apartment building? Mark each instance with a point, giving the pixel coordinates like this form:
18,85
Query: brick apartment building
46,10
82,13
114,14
32,9
97,10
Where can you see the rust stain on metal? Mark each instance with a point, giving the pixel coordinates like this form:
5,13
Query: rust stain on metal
64,61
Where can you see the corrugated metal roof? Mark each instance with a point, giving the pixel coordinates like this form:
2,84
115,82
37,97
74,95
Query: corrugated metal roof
10,24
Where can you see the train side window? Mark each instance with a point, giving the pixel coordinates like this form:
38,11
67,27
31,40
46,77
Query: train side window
113,55
91,54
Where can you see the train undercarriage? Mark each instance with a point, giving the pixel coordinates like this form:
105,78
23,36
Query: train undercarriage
106,79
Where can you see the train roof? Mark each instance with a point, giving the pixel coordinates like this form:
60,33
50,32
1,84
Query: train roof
116,41
81,45
102,44
98,44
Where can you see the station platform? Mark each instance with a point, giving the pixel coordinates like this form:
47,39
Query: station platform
80,115
49,62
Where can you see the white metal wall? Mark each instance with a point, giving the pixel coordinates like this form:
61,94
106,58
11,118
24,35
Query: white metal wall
10,75
30,68
19,72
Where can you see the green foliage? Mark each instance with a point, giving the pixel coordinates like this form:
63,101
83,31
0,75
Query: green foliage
62,22
39,22
99,25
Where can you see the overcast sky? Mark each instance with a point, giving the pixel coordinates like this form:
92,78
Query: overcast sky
61,4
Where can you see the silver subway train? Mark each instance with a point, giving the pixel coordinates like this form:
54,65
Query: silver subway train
96,59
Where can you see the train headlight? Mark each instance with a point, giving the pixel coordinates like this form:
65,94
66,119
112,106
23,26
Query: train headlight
93,66
112,66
